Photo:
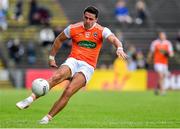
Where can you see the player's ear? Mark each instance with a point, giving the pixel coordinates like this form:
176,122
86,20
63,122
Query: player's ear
96,19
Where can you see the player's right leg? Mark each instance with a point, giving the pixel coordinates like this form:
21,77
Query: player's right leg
60,75
26,102
159,87
158,69
162,79
161,70
78,81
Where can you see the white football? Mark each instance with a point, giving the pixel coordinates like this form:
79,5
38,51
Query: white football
40,87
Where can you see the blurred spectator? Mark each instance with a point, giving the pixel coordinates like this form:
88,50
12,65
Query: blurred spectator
58,30
141,12
32,11
16,50
103,66
131,52
31,53
43,15
18,13
46,35
38,15
177,42
140,60
3,22
122,12
4,5
67,44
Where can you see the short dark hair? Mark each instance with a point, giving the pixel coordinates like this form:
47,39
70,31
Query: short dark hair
92,9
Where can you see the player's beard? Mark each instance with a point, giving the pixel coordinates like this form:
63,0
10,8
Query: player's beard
88,26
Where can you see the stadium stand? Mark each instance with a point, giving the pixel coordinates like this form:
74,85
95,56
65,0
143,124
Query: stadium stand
4,81
1,64
29,33
5,84
162,14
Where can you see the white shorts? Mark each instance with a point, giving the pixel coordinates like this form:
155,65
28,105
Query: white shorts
162,68
79,66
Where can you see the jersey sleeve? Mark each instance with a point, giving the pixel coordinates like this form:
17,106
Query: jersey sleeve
106,32
170,48
67,32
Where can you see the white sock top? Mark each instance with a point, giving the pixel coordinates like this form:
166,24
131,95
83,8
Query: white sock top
45,118
30,99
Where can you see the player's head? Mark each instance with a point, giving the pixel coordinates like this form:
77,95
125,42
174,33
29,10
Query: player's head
162,35
93,10
90,16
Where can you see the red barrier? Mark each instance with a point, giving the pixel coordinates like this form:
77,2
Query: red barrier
172,81
32,74
152,79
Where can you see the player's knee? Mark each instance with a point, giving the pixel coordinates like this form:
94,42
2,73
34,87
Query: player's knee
57,77
68,92
54,78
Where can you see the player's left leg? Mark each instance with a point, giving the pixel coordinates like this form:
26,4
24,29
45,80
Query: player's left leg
25,103
163,86
161,70
163,74
62,73
78,81
161,78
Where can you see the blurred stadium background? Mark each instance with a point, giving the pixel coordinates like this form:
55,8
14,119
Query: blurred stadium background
26,25
31,25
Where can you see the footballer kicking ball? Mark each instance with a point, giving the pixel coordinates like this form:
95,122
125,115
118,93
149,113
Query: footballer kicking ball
40,87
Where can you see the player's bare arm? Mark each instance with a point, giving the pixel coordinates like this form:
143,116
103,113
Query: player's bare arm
171,54
55,47
115,41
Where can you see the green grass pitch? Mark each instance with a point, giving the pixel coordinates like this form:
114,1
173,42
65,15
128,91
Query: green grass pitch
94,109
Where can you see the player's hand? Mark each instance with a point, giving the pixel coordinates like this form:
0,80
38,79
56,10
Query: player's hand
52,63
165,53
121,54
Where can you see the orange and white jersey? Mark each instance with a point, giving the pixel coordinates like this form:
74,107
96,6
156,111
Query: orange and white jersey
86,44
158,47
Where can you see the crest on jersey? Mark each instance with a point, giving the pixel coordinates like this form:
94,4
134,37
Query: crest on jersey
87,34
95,34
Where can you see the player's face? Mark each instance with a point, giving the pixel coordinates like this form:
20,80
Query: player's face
89,20
162,36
